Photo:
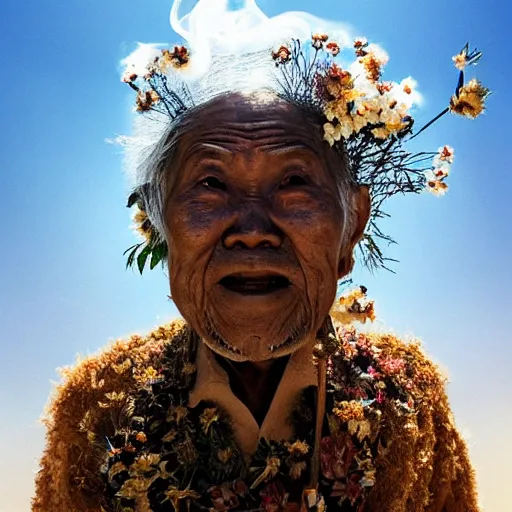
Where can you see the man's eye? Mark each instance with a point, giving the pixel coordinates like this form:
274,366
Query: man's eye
213,182
295,180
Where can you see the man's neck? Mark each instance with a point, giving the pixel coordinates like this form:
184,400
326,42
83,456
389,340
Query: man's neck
255,384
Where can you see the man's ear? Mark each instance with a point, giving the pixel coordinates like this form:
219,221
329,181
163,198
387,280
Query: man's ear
360,213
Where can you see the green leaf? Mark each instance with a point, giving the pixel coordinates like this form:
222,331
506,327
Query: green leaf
142,257
130,248
131,257
156,257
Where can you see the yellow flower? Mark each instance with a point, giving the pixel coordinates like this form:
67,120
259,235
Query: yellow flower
381,132
134,487
188,368
346,411
471,99
148,374
123,367
144,463
298,448
142,224
296,469
209,416
332,133
225,455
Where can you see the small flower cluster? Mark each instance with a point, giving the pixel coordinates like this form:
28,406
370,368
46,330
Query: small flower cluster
147,71
356,97
435,177
353,306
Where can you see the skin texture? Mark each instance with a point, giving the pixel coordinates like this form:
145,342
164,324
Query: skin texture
254,193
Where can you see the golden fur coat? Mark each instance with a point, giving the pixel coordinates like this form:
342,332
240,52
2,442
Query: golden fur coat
424,469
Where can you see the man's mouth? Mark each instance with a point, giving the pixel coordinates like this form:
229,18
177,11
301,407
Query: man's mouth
255,285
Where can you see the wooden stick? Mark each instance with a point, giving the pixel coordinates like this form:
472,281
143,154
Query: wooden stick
315,460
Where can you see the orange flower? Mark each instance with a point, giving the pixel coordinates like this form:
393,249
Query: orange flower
178,58
318,40
333,48
346,411
372,66
282,55
384,87
145,100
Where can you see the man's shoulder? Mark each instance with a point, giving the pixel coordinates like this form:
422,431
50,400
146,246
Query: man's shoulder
116,369
392,364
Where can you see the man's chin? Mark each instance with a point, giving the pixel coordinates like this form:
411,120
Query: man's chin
256,346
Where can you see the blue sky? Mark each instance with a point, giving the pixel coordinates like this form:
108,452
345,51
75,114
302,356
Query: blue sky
63,287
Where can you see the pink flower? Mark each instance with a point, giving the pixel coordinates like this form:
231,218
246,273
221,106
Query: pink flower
391,366
380,397
373,372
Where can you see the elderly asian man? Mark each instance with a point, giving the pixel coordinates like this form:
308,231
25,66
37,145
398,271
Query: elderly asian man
220,412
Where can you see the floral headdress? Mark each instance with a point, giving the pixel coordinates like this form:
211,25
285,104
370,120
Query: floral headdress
367,117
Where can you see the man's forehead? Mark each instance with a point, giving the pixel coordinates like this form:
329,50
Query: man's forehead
265,121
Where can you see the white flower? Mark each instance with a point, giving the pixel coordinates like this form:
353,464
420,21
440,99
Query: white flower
460,60
437,187
445,154
138,61
332,133
407,92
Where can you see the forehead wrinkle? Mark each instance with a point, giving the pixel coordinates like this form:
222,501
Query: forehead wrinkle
266,135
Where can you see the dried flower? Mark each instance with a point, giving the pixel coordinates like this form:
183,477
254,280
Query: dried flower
444,154
391,366
141,437
470,102
178,58
270,471
296,469
129,77
332,133
144,463
208,417
346,411
282,55
225,455
145,100
360,43
373,60
298,448
333,48
318,40
436,187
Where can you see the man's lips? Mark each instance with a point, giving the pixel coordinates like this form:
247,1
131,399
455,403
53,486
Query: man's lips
255,283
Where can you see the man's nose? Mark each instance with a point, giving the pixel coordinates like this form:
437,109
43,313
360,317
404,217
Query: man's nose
252,230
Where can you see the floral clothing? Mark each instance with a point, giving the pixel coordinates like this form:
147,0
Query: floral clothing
151,425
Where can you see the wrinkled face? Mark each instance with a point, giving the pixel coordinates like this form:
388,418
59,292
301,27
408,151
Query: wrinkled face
254,222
